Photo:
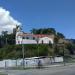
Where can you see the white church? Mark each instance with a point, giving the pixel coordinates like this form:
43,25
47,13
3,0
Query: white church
27,38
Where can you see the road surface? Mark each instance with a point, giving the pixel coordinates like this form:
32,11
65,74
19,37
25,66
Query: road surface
67,70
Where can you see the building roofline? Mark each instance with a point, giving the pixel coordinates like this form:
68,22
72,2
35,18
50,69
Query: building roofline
35,35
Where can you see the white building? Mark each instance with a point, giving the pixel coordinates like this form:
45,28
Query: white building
26,38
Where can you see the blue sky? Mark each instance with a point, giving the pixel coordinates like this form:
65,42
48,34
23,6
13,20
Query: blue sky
58,14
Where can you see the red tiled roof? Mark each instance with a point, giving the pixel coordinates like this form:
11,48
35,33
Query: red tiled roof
34,35
40,35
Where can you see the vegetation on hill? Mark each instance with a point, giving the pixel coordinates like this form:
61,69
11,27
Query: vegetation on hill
6,38
8,49
15,51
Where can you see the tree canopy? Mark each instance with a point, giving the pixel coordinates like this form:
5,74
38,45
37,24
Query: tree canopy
43,31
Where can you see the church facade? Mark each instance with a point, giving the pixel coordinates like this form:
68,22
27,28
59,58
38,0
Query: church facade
27,38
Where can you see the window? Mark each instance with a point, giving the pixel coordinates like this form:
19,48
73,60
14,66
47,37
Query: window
33,38
23,37
49,42
18,42
42,41
27,37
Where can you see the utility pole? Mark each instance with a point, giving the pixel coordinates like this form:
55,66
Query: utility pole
23,52
64,54
20,28
38,45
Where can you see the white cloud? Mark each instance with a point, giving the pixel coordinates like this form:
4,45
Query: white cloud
7,22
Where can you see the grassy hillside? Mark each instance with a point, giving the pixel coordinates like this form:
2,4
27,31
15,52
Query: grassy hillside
15,51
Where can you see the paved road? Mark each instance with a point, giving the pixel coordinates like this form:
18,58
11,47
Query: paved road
67,70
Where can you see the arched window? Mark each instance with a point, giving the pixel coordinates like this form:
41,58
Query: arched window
42,42
49,42
27,37
18,42
33,38
23,37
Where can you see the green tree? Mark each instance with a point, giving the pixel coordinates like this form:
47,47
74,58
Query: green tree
4,33
43,31
60,35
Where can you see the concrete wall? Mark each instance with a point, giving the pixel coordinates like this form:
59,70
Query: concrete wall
28,62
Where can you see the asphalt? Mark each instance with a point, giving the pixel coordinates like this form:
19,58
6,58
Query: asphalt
61,70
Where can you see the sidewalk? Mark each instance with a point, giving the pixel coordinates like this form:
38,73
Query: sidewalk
59,65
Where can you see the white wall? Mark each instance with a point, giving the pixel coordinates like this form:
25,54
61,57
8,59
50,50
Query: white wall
31,41
46,40
29,62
